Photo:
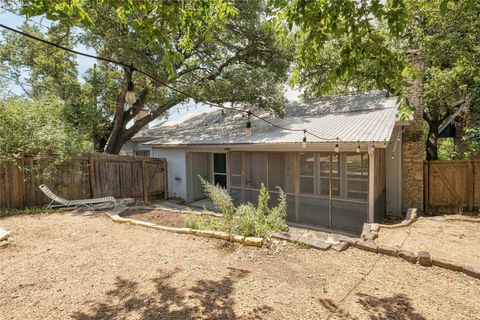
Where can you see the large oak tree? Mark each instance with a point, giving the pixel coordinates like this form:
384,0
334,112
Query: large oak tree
211,51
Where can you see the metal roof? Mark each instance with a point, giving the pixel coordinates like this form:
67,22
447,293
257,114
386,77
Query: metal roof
365,118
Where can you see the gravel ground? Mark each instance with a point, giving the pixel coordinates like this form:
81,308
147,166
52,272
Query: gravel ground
458,241
64,266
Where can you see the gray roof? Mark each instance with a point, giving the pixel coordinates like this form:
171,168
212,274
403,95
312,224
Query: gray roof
366,117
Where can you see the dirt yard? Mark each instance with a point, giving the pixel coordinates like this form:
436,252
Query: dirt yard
157,216
458,241
62,266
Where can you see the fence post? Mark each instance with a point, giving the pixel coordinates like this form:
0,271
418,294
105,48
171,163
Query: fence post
426,177
145,181
91,175
471,178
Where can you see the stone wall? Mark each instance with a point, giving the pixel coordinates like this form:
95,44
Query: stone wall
412,145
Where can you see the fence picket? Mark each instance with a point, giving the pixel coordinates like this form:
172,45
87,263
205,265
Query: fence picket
94,175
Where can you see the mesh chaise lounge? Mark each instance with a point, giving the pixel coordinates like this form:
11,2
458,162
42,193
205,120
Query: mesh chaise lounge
74,203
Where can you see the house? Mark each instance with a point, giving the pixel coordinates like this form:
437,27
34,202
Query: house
347,173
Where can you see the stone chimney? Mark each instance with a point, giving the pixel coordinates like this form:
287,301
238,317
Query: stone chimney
412,143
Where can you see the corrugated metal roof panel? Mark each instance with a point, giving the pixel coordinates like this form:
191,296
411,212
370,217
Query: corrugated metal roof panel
370,120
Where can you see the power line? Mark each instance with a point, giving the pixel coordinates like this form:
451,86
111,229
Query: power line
16,81
132,68
26,19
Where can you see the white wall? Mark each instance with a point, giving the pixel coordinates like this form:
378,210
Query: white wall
393,177
177,171
130,147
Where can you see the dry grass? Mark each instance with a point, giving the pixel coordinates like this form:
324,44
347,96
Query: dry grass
62,266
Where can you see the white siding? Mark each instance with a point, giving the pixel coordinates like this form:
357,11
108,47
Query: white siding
393,179
130,147
177,171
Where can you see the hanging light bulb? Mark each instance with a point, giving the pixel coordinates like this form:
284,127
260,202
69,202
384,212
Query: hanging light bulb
130,95
393,155
248,127
336,146
372,148
304,141
358,147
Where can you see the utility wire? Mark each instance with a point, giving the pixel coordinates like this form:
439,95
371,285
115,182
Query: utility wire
16,81
26,19
132,68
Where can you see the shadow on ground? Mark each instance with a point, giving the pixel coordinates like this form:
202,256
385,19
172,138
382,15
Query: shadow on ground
206,299
395,307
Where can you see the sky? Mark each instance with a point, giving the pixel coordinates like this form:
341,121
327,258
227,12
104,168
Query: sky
177,113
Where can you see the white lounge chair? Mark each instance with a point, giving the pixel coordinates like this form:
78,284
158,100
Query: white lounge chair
74,203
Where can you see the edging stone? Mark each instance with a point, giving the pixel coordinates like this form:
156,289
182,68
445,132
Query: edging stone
341,246
367,246
389,251
321,245
410,218
471,271
424,258
249,241
446,264
407,255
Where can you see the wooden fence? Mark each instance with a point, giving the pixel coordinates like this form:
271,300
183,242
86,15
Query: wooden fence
452,186
88,176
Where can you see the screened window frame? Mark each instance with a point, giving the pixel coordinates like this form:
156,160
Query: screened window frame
365,178
341,177
214,173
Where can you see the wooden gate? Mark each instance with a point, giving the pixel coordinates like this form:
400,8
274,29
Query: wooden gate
452,186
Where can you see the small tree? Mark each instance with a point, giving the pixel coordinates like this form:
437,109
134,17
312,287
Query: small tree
37,127
246,219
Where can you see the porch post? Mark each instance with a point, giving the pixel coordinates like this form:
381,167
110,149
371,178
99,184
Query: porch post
371,186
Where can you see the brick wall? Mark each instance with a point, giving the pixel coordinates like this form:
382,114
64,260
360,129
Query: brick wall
413,146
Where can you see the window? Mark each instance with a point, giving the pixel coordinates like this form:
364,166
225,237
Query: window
255,169
220,169
307,173
276,171
142,153
236,169
357,176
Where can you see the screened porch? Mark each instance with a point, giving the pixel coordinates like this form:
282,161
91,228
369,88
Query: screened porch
324,189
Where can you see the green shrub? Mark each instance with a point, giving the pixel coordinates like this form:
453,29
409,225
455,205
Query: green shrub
246,219
194,221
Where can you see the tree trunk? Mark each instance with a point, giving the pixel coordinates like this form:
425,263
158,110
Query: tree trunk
120,134
432,140
113,145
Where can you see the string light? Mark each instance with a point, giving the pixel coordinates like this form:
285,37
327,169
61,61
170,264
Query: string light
358,147
372,148
304,141
248,127
132,69
130,95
